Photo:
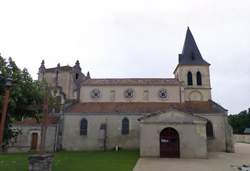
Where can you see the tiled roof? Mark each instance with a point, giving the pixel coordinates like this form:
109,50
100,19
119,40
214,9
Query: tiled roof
61,68
143,107
132,81
33,121
145,117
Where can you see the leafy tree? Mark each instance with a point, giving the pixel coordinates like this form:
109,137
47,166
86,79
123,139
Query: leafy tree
240,121
26,97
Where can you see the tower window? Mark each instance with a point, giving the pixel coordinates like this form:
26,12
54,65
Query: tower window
198,77
190,78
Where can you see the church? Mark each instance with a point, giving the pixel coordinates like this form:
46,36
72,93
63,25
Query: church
162,117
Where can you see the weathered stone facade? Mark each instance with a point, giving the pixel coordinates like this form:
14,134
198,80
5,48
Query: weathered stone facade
130,113
94,139
40,162
191,130
25,140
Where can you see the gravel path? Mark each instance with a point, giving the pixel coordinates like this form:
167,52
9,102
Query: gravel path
217,161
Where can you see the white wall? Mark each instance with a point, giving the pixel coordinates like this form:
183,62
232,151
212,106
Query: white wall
192,143
72,140
107,91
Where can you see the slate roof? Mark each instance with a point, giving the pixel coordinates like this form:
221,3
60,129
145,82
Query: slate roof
190,54
131,81
144,107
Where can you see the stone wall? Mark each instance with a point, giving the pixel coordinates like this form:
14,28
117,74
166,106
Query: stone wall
218,142
116,94
65,81
193,142
22,143
241,138
72,140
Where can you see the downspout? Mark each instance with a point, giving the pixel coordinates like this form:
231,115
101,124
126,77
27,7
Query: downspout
180,93
56,138
229,140
62,129
226,134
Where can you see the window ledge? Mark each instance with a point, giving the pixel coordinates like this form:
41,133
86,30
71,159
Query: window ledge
210,138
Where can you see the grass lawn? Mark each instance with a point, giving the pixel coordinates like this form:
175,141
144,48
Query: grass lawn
76,161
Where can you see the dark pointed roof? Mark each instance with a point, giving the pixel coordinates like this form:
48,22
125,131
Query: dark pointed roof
190,54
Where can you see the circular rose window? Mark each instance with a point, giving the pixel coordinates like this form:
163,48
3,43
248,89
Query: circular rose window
129,93
95,93
163,93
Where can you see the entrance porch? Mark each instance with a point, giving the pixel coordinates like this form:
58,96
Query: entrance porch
173,134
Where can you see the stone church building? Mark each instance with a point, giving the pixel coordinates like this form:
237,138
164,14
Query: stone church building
163,117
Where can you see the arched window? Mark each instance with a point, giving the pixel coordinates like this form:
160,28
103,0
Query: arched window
125,126
190,78
198,77
209,129
84,127
76,76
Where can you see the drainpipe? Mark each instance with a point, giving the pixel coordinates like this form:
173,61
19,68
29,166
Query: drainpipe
180,93
61,128
55,137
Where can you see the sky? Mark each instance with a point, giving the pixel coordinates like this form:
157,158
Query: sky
132,39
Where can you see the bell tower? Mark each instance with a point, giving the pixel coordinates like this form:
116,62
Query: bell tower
193,71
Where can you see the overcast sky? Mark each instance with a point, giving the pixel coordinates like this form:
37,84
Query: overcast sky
133,38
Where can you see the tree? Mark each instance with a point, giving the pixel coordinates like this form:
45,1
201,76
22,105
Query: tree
240,121
26,97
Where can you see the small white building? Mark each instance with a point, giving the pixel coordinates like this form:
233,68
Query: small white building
29,138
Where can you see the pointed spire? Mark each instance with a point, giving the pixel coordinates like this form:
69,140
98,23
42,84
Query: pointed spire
190,52
77,66
88,75
42,67
42,64
77,62
58,66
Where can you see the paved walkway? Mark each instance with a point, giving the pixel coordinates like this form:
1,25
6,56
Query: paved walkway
217,161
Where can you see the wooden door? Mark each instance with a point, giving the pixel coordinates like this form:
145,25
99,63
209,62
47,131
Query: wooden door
169,143
34,140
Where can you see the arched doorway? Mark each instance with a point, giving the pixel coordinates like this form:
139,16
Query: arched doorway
169,143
